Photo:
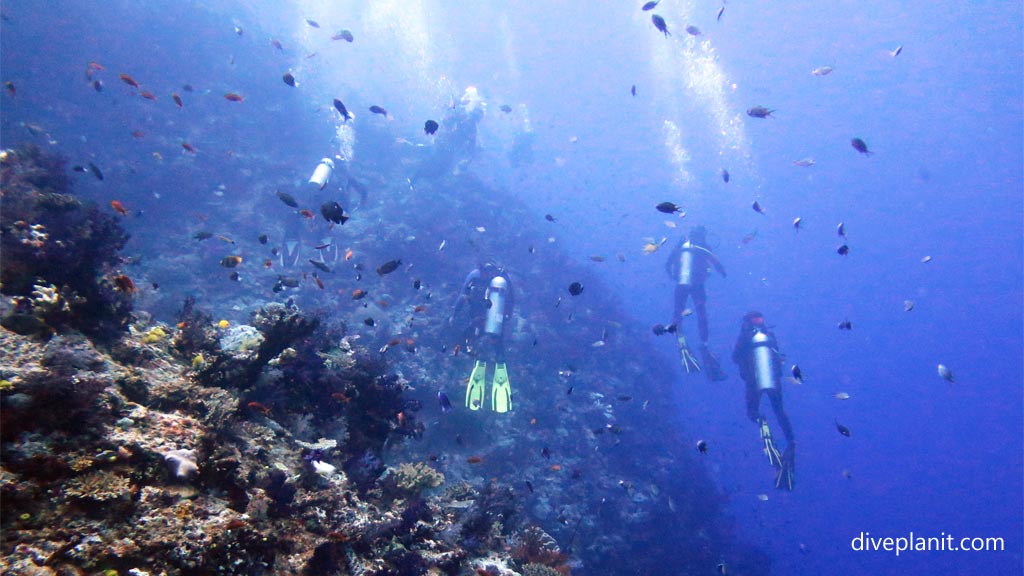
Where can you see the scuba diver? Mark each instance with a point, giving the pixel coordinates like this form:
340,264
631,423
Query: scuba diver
760,363
487,292
455,145
688,266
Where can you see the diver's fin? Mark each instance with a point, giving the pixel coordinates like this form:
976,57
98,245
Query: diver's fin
501,390
784,476
477,386
686,357
711,363
769,446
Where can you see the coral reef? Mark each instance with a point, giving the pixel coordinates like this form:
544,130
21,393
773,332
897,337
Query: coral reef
414,478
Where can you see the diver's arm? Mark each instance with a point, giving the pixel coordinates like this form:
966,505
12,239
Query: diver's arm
463,295
716,263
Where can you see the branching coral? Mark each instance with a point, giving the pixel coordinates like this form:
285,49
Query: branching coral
415,478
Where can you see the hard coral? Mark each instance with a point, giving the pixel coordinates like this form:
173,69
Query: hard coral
414,478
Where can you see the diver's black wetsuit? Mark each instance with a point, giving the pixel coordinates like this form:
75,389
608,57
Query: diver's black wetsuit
743,356
474,294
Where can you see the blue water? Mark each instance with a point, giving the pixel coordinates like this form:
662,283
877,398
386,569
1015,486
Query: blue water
943,118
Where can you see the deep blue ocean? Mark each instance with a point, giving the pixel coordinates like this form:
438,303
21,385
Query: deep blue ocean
934,215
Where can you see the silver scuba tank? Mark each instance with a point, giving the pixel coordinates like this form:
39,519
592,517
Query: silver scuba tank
764,369
686,264
322,175
496,312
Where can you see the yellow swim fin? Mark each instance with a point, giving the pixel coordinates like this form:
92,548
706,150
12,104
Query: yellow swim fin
477,386
501,390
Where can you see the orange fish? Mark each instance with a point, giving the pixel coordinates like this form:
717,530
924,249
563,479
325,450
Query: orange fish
394,342
188,147
177,100
259,408
124,284
341,397
268,263
348,254
147,95
306,214
129,80
95,66
358,293
138,133
234,97
456,350
555,467
118,207
474,459
420,308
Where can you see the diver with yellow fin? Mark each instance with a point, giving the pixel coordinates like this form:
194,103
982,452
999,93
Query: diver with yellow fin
760,363
487,293
688,266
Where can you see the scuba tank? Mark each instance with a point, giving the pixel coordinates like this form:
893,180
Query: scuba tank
322,174
764,366
496,310
686,264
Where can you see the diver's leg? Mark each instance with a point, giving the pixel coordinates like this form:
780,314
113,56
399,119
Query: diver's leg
700,299
780,414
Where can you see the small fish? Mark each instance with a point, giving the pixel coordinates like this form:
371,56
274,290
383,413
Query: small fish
757,207
129,80
693,30
230,261
797,222
842,429
841,396
575,288
276,44
95,171
358,294
702,447
725,175
188,147
798,375
505,108
118,207
239,31
345,35
233,97
147,95
749,237
288,79
545,453
177,100
623,397
312,23
529,486
843,250
760,112
474,459
650,5
378,110
596,258
908,305
841,230
369,322
202,235
81,169
762,498
263,239
845,325
896,52
320,265
287,198
860,146
430,127
340,107
388,267
804,162
441,246
97,85
822,71
333,212
660,24
187,88
10,88
926,259
668,208
632,89
549,217
946,374
138,134
721,11
444,402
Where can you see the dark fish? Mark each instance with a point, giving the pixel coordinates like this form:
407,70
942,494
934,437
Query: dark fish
760,112
624,398
632,90
568,392
230,261
842,429
263,238
187,88
505,108
798,375
575,288
529,486
202,236
720,12
288,199
757,207
81,169
378,110
388,267
659,23
235,277
843,250
288,79
177,100
97,85
276,43
430,127
896,52
343,35
320,265
545,452
845,325
841,230
668,208
693,31
333,212
444,402
340,107
369,322
286,282
10,87
549,217
860,146
702,447
725,175
650,5
416,284
312,23
95,171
